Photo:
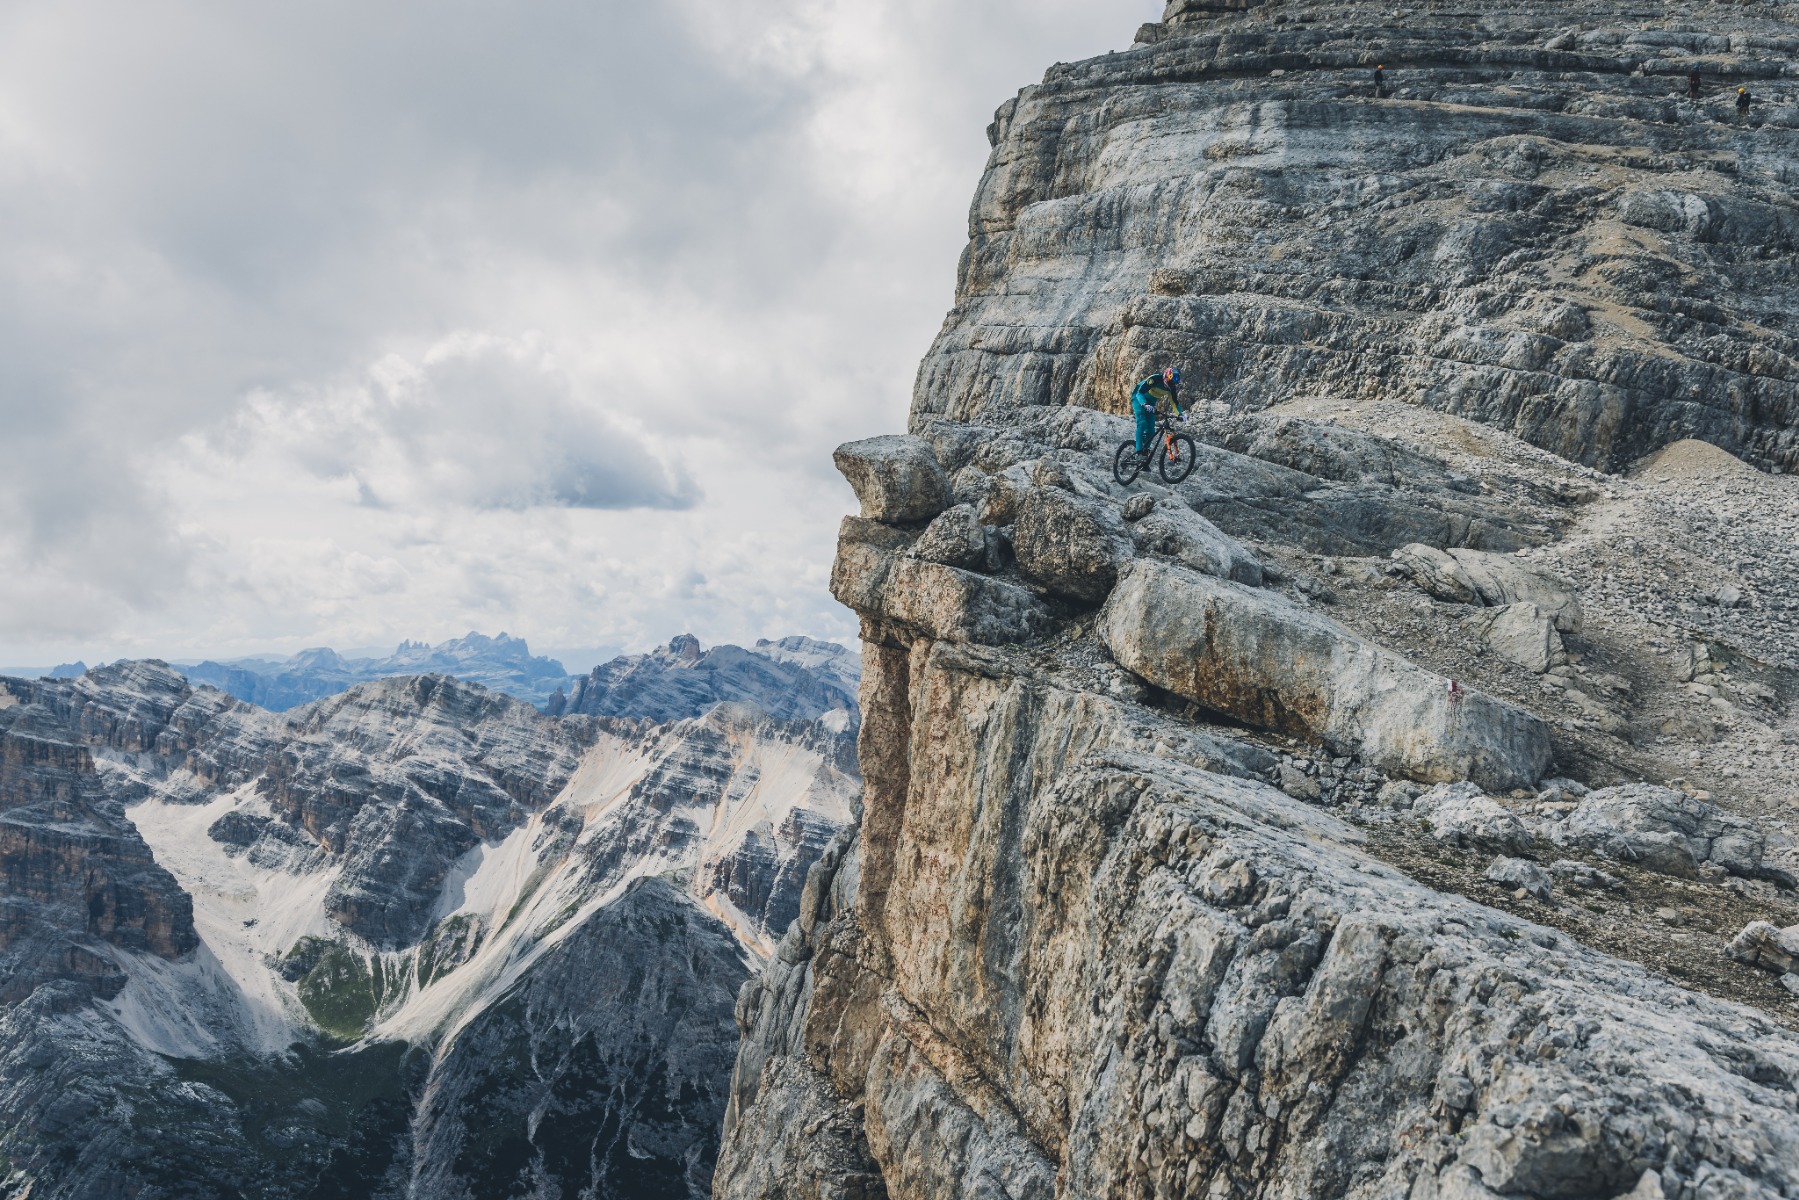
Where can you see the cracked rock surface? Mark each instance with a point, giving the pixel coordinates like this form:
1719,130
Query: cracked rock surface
1179,879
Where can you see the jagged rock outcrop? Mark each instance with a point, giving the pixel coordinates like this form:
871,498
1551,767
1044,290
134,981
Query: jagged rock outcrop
614,1052
1073,965
1144,900
793,679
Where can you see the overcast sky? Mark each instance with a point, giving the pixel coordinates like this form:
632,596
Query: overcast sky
341,323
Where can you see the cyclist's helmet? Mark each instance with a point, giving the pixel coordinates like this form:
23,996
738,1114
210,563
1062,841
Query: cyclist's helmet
1172,376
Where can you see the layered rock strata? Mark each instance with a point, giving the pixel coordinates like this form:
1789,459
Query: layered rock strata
1150,895
1527,224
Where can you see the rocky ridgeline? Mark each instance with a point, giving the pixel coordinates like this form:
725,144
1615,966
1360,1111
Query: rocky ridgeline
415,939
1400,804
795,677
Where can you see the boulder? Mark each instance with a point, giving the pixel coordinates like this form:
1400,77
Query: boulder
876,576
896,477
1462,814
1502,579
1004,494
1762,944
1436,573
866,551
1519,873
1463,576
959,606
1522,633
1072,545
970,485
1661,829
1169,528
955,539
1258,658
1297,784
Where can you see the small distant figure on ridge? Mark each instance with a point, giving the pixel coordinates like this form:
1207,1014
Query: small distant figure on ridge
1147,395
1693,84
1380,80
1743,99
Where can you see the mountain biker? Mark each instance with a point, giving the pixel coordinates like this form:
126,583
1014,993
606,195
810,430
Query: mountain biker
1147,395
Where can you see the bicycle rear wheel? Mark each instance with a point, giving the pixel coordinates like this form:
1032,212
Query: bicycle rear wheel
1126,464
1175,462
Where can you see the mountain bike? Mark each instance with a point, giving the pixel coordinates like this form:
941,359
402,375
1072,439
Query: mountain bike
1173,451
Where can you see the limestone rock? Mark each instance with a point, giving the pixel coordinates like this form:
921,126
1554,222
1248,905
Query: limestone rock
1661,829
1436,572
954,538
960,606
1071,545
1465,576
1297,784
1061,965
896,477
1171,529
1520,873
795,678
1761,944
1500,579
1524,634
1462,815
1257,658
1238,221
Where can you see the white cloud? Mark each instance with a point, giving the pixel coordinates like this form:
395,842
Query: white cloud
337,324
477,421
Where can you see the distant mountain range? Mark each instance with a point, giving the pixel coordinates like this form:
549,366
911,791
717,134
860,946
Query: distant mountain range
503,663
792,678
413,941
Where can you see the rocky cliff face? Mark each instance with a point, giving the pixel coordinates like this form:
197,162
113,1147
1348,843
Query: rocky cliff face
1530,225
1375,811
416,939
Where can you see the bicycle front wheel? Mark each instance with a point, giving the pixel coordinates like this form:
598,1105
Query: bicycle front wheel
1177,457
1126,464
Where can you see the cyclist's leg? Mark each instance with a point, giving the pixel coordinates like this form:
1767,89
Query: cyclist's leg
1146,423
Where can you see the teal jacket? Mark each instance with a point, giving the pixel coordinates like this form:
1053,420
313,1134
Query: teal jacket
1153,391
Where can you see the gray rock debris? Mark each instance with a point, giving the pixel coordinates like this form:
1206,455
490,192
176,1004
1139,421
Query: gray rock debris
896,478
1661,829
1258,658
1520,873
1461,814
1569,873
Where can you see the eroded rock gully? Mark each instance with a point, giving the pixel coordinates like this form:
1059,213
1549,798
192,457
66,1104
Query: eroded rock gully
1371,813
